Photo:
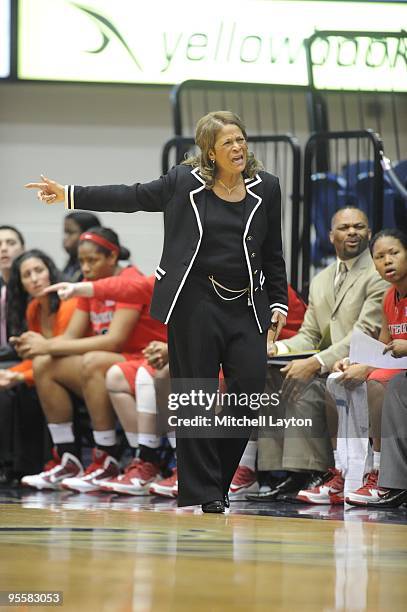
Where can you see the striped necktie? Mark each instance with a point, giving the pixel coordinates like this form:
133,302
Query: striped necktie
340,278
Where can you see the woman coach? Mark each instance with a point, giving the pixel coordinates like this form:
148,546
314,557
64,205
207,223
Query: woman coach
220,284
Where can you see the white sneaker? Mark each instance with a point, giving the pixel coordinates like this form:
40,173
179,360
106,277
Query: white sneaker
137,479
168,487
244,482
369,492
55,472
102,468
330,491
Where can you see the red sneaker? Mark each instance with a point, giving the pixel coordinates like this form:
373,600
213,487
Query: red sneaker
109,483
369,492
167,487
137,478
102,467
244,482
329,492
55,471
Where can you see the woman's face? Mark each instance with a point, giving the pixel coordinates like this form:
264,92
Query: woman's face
230,150
10,248
34,276
95,264
390,258
72,232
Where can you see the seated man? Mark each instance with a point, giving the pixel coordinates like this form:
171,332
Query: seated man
345,295
359,388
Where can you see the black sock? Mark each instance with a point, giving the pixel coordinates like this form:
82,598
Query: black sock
67,447
113,451
151,455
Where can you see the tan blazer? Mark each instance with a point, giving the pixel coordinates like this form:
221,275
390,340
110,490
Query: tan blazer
358,305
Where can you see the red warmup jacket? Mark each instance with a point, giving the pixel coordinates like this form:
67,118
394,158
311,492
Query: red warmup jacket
296,312
130,287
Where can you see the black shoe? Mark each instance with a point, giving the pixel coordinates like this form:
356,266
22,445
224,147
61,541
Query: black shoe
226,500
214,507
393,498
289,485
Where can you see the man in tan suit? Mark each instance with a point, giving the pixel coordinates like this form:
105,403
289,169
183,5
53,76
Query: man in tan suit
346,295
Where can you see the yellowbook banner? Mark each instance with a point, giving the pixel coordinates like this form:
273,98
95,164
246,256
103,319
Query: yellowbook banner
161,42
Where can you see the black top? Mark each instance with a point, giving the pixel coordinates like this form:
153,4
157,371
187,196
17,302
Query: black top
221,252
7,352
181,196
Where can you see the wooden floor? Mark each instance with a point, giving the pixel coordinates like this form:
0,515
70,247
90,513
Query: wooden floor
135,555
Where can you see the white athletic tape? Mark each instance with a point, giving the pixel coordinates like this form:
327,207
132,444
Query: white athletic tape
145,392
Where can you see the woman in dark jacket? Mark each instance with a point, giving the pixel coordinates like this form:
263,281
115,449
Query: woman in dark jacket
221,284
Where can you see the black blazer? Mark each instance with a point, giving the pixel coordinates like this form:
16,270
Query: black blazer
181,195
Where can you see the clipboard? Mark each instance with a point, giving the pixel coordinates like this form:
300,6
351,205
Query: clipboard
282,360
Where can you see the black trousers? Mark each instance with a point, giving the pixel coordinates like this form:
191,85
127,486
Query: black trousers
204,333
25,444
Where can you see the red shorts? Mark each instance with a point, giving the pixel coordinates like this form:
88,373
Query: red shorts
383,376
130,367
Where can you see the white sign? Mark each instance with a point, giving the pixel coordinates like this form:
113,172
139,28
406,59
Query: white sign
361,62
162,42
4,38
365,349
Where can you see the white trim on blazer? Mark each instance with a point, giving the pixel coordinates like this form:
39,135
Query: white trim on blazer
198,220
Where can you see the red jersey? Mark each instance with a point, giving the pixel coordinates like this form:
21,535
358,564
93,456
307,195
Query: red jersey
395,310
112,294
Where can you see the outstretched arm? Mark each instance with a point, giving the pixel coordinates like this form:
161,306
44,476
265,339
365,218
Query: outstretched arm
118,288
151,197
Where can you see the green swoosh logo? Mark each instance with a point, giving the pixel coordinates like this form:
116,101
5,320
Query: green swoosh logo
107,30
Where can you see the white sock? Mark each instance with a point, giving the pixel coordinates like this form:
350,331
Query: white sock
172,439
105,438
132,439
61,433
150,440
376,460
249,456
337,461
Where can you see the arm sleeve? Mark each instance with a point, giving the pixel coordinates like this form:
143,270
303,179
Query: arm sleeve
272,255
150,197
310,334
124,289
369,321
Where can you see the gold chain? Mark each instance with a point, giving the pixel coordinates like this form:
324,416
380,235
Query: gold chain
227,188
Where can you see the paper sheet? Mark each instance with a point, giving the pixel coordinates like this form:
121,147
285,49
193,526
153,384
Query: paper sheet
367,350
